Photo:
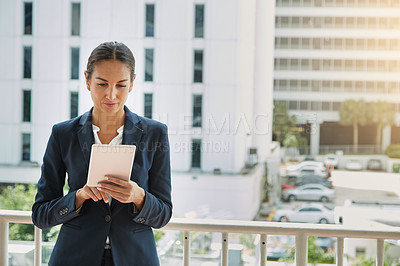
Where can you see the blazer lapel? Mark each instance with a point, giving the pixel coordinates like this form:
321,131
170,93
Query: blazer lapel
85,135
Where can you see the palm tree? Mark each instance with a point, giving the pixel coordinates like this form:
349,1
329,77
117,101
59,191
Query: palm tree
383,115
353,113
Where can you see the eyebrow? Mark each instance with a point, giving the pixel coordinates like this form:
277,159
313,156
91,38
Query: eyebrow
107,80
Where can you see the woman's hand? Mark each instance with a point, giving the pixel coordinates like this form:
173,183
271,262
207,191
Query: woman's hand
87,192
123,191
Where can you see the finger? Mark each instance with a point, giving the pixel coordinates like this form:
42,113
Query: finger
111,188
115,180
96,193
104,196
90,193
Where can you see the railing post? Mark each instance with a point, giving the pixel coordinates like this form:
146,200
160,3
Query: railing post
301,249
186,248
3,242
38,247
340,251
224,249
263,250
379,252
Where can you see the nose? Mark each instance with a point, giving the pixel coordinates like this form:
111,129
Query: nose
111,93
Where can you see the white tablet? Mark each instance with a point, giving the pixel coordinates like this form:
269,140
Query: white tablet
110,160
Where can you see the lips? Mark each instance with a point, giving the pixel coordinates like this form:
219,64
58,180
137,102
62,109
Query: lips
110,104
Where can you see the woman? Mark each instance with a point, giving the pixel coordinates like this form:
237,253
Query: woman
109,224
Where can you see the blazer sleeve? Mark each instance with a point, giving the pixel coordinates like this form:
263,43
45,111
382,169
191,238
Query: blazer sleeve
157,208
51,207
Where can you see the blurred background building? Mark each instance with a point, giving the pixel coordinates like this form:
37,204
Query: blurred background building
329,51
205,68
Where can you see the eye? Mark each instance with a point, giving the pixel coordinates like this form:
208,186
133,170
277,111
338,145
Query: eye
102,84
121,86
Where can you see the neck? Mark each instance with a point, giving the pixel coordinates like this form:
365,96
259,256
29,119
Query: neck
108,122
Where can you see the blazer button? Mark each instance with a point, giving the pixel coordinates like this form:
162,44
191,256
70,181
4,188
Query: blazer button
141,220
61,213
107,218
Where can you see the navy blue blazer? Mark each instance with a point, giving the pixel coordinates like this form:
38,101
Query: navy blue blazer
82,236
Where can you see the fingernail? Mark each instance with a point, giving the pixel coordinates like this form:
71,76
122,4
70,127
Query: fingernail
99,188
106,177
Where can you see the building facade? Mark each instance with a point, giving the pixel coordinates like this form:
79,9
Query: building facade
203,67
329,51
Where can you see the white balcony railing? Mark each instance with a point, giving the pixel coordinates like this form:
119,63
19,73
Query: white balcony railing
300,231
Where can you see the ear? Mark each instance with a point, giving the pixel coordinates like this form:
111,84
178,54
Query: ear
87,80
131,85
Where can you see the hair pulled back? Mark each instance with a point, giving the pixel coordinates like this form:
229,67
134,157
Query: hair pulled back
111,51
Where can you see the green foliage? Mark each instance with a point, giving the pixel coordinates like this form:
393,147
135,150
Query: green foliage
284,127
158,234
316,254
21,197
248,240
393,151
353,112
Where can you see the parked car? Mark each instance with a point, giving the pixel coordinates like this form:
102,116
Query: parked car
307,179
307,167
374,165
309,192
307,213
331,160
353,165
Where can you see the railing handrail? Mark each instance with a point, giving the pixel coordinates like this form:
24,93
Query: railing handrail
301,231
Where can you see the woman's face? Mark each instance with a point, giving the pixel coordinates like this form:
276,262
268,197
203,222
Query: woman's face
109,86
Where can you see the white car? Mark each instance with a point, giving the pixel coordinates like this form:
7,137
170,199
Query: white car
307,213
331,160
353,165
307,167
314,192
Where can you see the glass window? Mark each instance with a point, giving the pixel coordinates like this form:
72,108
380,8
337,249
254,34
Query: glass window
303,105
197,110
74,104
305,64
74,63
26,112
199,21
28,18
315,64
305,43
295,22
336,106
294,64
293,105
149,20
293,85
148,105
360,44
337,64
349,44
305,85
360,65
326,106
284,43
149,64
76,19
348,64
295,43
315,106
326,85
198,66
196,153
27,62
26,147
339,22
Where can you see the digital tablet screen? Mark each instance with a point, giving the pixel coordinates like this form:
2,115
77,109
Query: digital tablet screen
110,160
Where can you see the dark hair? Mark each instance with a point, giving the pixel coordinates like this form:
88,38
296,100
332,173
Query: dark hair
111,51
